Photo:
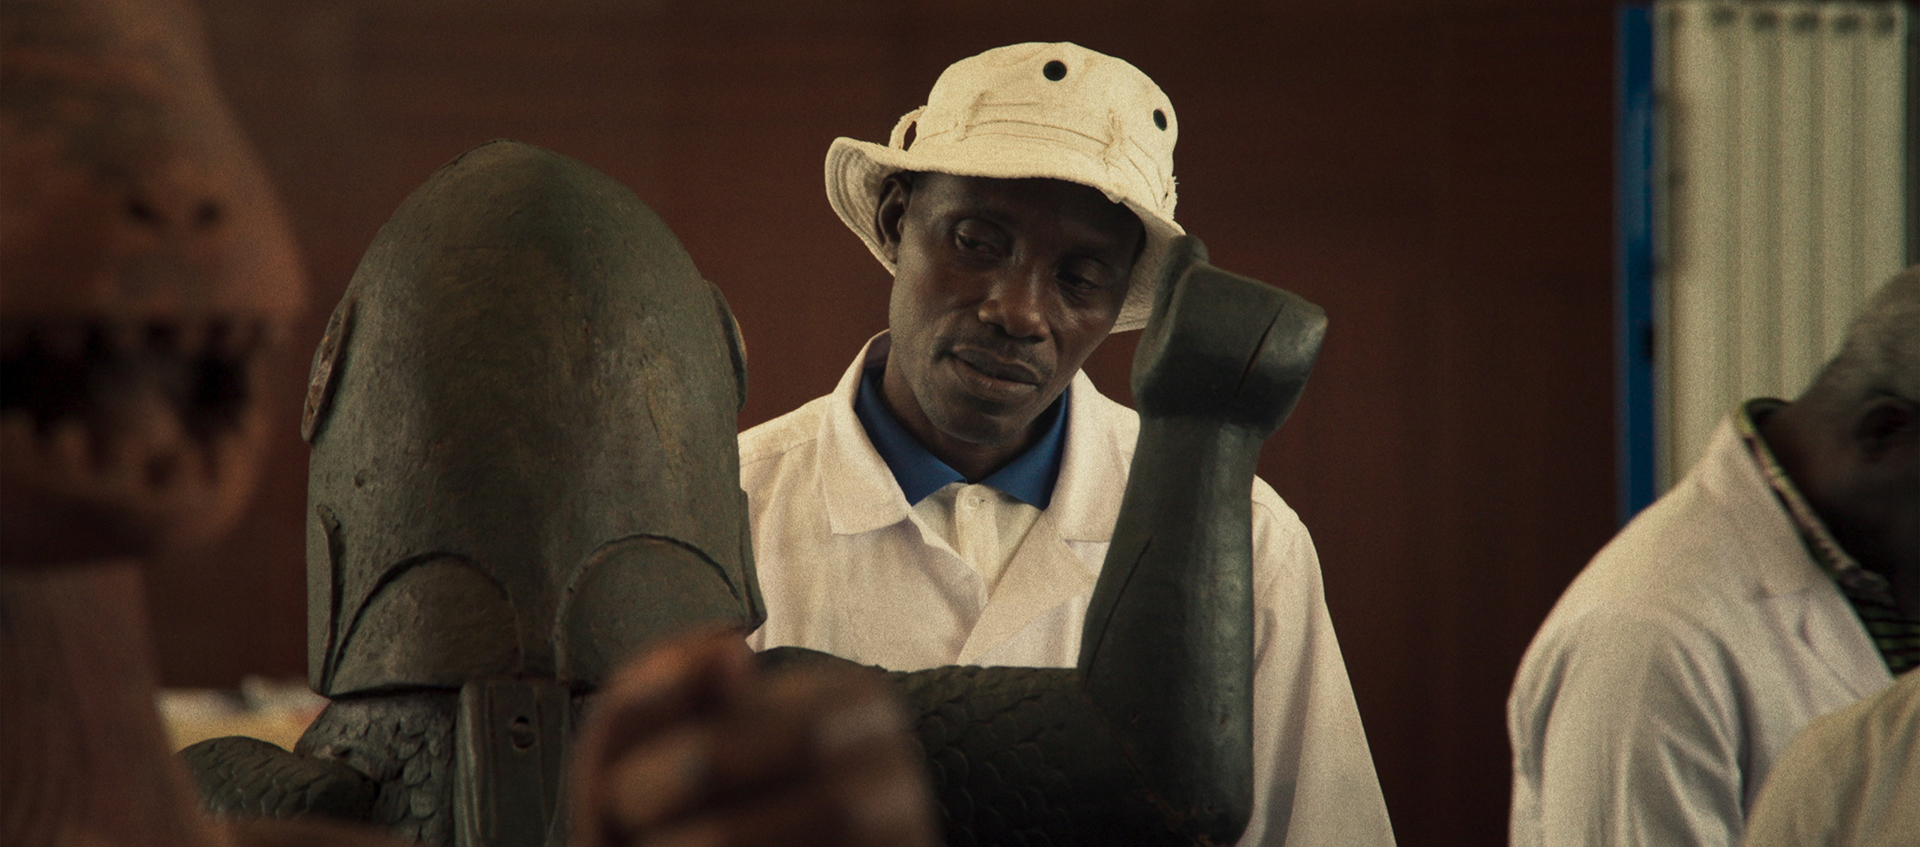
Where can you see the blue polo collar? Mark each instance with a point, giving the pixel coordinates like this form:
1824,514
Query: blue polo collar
1028,478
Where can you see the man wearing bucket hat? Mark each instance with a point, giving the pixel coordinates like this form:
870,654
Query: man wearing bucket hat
952,500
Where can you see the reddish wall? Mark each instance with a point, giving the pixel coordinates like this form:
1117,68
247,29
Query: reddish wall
1436,174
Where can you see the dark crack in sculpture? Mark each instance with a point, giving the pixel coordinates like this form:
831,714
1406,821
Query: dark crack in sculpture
525,467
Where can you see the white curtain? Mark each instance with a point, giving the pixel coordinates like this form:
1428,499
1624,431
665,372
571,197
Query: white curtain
1780,187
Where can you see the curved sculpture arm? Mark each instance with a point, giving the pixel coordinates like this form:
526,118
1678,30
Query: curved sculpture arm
1222,362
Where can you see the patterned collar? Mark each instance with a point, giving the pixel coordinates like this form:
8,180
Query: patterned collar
1826,552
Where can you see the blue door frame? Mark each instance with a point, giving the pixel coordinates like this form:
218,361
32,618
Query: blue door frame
1634,257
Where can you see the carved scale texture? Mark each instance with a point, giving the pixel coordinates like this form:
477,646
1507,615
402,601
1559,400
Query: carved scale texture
1021,756
1016,756
404,744
384,759
241,777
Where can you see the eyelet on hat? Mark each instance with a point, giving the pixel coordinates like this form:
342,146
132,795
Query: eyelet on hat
1160,119
1055,70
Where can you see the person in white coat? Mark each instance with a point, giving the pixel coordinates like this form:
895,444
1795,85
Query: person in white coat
1777,582
1850,779
952,500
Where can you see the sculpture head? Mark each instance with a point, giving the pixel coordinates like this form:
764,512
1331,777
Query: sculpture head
522,417
146,264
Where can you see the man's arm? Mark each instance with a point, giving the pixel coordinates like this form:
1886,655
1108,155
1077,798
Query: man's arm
1314,778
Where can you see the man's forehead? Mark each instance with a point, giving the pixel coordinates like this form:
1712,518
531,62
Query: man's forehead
1082,210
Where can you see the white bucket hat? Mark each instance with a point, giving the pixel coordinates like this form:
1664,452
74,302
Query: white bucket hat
1031,110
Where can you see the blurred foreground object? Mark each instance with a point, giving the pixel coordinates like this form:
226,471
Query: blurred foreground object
679,737
1851,778
276,711
147,268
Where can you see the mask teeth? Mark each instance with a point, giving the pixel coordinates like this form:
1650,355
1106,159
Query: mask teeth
233,339
126,406
67,448
61,341
56,370
17,436
76,448
170,339
119,339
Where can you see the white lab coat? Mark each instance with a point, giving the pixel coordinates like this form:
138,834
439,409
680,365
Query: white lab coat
847,568
1678,665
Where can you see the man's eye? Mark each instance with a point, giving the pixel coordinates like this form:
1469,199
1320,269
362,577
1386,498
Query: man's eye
1082,279
975,237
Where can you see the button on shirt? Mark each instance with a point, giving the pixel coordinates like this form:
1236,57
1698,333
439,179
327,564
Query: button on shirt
982,523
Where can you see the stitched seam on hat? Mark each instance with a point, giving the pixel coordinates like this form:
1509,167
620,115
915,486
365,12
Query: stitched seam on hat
997,128
1152,177
1116,147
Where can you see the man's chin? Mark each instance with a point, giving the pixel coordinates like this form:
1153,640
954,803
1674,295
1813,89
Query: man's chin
983,425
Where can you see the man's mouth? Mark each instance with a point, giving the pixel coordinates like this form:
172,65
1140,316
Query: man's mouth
994,379
999,368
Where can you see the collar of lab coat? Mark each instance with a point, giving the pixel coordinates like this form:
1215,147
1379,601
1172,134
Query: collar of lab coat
1779,562
864,496
1781,573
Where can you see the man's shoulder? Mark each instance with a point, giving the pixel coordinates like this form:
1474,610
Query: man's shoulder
1656,612
1678,561
1268,504
1719,536
1677,581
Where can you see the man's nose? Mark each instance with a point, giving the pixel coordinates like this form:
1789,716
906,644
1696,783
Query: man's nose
1016,303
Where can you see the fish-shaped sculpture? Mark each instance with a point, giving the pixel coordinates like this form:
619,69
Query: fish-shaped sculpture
523,468
522,416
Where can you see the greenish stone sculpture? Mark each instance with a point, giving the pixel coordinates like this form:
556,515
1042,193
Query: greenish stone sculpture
524,468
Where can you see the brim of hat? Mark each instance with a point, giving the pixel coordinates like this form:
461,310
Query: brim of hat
856,169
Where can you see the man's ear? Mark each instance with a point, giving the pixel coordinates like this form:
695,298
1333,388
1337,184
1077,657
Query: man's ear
1888,428
894,193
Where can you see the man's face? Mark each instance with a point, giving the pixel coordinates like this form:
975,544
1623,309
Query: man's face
1002,289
